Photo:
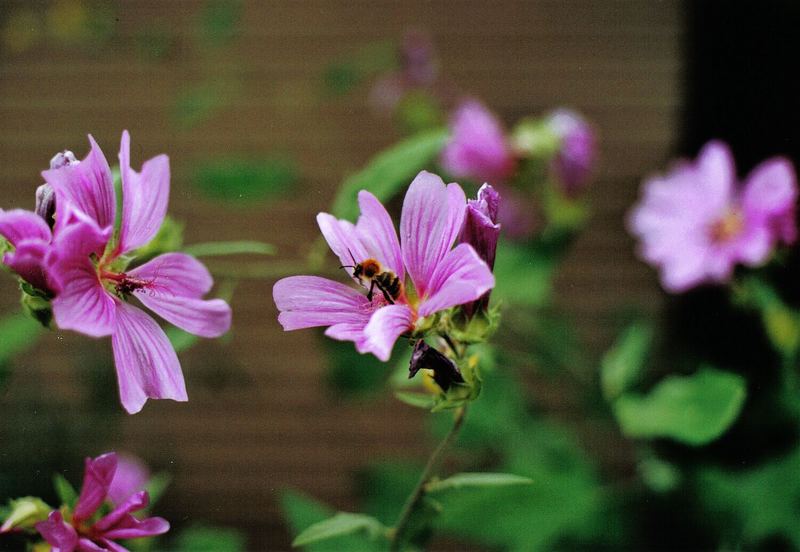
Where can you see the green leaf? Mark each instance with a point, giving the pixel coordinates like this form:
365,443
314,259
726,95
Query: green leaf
241,180
302,512
202,538
389,171
623,363
156,486
181,340
18,333
24,513
353,374
524,274
418,400
64,490
476,480
694,409
343,523
209,249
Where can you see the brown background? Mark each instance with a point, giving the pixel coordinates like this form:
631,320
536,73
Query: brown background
260,418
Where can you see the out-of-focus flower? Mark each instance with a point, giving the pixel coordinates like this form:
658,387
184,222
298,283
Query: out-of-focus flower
87,269
695,224
442,276
577,150
481,230
87,531
131,476
478,148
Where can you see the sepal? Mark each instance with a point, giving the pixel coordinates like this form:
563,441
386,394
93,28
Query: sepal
24,513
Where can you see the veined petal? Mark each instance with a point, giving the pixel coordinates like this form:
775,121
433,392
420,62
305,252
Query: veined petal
18,225
145,197
132,528
771,188
28,260
82,304
309,301
131,476
716,174
133,503
386,325
87,185
97,476
175,274
343,239
430,222
147,366
61,536
85,545
378,234
460,278
206,318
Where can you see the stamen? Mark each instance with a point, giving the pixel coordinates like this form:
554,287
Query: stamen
728,227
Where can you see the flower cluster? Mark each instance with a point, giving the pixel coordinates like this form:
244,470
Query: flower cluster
70,253
408,281
696,224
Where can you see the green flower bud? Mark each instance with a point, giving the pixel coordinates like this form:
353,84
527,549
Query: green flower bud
25,513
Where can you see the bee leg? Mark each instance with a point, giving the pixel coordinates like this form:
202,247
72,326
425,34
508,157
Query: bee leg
386,294
369,293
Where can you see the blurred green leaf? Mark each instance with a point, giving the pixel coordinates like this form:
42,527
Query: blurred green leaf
156,486
750,506
341,524
24,513
180,339
343,75
389,171
19,333
623,363
658,474
202,538
692,409
200,101
64,490
246,180
218,22
477,480
303,512
524,275
417,400
354,374
210,249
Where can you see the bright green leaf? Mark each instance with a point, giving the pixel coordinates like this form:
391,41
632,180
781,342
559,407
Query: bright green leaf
64,490
692,409
476,480
210,249
623,363
342,523
389,171
24,513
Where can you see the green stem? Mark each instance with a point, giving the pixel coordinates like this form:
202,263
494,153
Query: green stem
419,491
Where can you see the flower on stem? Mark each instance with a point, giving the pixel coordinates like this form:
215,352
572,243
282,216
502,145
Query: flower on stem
695,224
87,265
481,230
440,275
131,476
577,150
86,528
478,148
445,371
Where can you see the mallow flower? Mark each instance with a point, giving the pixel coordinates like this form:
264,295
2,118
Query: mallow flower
440,276
695,223
478,148
576,152
87,269
131,475
482,231
90,527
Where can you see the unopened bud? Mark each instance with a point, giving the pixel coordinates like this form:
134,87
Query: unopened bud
63,159
25,513
482,231
46,203
445,371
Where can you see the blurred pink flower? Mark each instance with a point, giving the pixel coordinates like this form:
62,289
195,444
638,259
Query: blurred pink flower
577,150
86,269
131,475
83,532
478,148
695,224
442,276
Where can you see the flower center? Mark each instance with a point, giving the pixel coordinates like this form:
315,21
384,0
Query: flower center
727,227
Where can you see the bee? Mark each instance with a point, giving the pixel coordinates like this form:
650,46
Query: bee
386,281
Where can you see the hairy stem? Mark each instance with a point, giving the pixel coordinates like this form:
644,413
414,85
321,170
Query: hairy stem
418,493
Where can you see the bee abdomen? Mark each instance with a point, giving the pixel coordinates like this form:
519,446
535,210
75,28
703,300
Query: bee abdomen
389,282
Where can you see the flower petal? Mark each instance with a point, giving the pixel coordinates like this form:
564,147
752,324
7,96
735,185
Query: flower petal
87,185
60,535
147,366
131,475
771,188
132,528
309,301
28,260
430,222
206,318
175,274
97,476
145,197
386,325
18,225
86,545
377,233
343,239
460,278
133,503
716,175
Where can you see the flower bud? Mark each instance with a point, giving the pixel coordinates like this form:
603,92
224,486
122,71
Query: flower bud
25,513
45,195
577,150
445,371
481,230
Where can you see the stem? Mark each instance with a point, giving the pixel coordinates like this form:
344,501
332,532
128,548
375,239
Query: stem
419,491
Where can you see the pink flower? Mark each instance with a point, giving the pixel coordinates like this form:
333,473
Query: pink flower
85,531
478,148
577,151
131,475
695,224
87,268
482,231
442,276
